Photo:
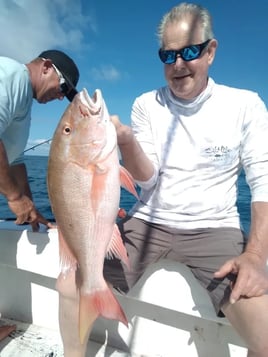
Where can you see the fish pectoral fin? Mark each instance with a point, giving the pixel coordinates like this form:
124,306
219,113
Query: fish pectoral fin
100,303
116,247
128,182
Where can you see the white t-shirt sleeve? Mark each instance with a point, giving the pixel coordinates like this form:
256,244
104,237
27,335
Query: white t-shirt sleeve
254,151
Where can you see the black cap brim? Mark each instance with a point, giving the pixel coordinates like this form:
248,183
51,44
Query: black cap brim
71,94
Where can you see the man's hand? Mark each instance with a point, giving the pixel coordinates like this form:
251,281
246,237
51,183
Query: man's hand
40,220
124,132
134,159
252,275
24,210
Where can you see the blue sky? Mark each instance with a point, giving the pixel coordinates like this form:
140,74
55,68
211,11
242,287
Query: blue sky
114,44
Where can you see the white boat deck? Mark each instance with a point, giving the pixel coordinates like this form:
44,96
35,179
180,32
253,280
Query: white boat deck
169,313
35,341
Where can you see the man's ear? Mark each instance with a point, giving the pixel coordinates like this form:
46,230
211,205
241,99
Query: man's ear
47,64
212,46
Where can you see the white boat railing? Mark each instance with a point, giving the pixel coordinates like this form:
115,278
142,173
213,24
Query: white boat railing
169,313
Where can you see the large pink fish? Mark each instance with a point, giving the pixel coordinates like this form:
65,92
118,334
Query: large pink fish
84,178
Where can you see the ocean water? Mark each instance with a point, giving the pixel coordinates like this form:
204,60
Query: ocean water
37,169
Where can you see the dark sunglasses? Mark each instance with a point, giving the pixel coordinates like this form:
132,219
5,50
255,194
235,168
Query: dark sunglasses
188,53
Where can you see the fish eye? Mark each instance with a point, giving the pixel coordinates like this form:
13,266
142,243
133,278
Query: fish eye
67,130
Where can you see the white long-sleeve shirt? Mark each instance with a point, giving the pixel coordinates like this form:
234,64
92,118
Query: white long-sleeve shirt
198,148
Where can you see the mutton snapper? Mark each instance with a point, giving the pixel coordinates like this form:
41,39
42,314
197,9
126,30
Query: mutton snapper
84,178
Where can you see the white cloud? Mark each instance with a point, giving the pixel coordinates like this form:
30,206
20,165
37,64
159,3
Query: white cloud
29,26
108,73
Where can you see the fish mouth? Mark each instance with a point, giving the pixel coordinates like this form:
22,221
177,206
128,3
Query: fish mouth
93,103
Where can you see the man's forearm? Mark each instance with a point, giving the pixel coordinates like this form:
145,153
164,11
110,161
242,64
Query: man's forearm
135,160
8,184
19,172
258,237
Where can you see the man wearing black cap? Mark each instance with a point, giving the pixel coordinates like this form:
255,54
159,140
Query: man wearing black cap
66,67
52,75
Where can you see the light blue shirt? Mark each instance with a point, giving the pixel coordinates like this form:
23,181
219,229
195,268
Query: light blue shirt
16,97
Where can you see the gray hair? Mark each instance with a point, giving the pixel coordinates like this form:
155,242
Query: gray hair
177,13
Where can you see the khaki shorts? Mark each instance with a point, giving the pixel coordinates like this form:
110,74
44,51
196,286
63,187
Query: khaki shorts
204,251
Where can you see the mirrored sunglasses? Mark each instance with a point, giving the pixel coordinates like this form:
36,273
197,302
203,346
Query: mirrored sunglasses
64,89
188,53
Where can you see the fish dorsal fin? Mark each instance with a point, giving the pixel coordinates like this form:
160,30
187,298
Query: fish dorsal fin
116,247
128,182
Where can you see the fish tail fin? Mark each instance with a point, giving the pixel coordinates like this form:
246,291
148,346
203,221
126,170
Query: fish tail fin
101,303
128,182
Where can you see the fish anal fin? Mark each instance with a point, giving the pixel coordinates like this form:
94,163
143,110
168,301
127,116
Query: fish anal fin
66,284
116,247
101,303
128,182
67,258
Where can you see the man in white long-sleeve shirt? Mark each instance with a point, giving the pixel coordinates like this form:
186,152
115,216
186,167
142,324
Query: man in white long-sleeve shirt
198,153
187,146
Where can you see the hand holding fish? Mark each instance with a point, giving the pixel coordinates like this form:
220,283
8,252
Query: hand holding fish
124,132
135,160
252,275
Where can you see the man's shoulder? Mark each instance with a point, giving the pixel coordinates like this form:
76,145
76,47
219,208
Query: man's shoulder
8,64
221,89
13,73
154,95
233,97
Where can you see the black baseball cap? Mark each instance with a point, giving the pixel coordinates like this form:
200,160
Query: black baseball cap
67,67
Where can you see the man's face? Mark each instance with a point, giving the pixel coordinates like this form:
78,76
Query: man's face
49,84
187,79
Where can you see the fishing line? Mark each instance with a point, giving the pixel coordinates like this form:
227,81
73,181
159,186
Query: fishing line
33,147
